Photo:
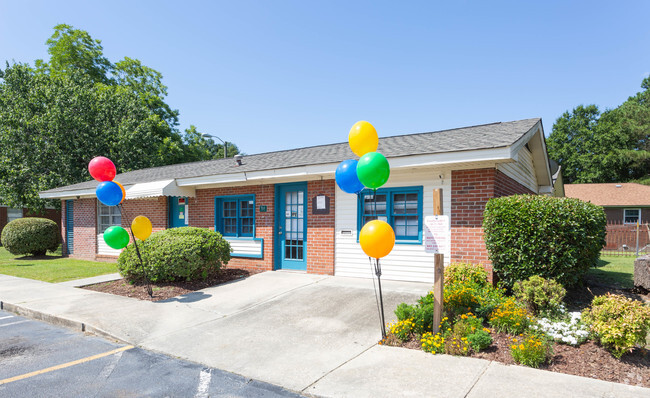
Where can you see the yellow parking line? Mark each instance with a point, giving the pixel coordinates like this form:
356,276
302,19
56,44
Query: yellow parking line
65,365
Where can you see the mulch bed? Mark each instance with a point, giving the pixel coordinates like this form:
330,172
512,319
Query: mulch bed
167,290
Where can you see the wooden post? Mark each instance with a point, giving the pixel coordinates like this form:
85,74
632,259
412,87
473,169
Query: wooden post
438,270
438,289
437,202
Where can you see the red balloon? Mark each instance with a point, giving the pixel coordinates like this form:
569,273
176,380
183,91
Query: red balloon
102,169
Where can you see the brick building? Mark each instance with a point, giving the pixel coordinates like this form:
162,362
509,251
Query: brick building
283,210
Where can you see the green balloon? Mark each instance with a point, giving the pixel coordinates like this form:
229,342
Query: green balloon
373,170
116,237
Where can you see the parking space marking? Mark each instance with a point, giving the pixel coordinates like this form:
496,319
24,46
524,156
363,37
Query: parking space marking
14,323
65,365
5,317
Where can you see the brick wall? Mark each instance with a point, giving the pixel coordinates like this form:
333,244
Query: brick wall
201,214
84,214
155,209
470,191
320,230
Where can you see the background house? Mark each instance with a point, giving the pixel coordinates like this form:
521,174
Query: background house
283,210
625,204
8,214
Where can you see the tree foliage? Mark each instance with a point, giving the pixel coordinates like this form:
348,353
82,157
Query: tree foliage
55,117
612,146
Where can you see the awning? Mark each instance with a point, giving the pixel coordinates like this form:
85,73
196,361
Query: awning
158,188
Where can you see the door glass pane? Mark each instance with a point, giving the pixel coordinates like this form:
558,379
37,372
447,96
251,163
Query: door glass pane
294,225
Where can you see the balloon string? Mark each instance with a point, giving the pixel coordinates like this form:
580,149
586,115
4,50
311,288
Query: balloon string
374,286
137,250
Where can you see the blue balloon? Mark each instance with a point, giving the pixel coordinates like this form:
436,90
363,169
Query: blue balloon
346,177
109,193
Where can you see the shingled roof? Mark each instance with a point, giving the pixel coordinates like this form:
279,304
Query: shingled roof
610,194
486,136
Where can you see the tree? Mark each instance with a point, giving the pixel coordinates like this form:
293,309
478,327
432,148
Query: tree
610,147
71,51
56,117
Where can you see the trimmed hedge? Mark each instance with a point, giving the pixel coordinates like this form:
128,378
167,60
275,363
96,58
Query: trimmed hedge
555,238
186,253
31,235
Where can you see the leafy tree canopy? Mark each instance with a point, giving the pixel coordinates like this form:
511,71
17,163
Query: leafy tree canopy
612,146
55,117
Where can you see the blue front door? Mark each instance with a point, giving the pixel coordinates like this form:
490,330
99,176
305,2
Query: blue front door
69,226
178,216
291,226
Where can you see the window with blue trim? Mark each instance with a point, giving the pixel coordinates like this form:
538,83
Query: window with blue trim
399,207
235,215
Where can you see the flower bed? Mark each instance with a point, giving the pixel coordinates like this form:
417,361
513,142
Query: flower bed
483,322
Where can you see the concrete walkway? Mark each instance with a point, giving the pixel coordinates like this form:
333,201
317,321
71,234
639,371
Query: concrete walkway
312,334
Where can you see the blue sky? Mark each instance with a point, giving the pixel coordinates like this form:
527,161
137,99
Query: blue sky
273,75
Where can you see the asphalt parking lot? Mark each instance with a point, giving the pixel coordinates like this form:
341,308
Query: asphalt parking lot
41,360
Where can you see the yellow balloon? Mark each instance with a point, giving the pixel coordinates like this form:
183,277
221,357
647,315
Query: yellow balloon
377,238
141,227
123,190
363,138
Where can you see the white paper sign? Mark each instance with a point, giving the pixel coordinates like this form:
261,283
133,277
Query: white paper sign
320,202
437,234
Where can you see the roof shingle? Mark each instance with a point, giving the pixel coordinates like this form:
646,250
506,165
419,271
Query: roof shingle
610,194
487,136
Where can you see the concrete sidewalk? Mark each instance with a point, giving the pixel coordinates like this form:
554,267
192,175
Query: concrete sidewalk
312,334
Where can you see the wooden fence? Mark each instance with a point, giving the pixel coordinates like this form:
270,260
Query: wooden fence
627,239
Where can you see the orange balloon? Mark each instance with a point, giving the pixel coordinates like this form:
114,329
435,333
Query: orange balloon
363,138
377,238
123,191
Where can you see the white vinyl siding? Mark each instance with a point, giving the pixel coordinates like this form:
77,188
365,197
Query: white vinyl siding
522,170
245,247
407,261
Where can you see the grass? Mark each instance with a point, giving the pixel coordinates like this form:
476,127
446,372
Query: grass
52,267
615,271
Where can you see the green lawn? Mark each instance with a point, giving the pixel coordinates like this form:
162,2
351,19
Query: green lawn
615,271
53,268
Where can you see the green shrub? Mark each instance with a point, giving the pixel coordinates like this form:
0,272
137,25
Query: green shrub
531,349
464,273
31,235
556,238
186,253
539,295
479,340
618,322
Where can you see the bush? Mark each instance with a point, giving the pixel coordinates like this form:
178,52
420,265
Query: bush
510,318
479,340
186,253
539,295
402,329
565,328
31,235
434,344
556,238
618,322
466,273
531,349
